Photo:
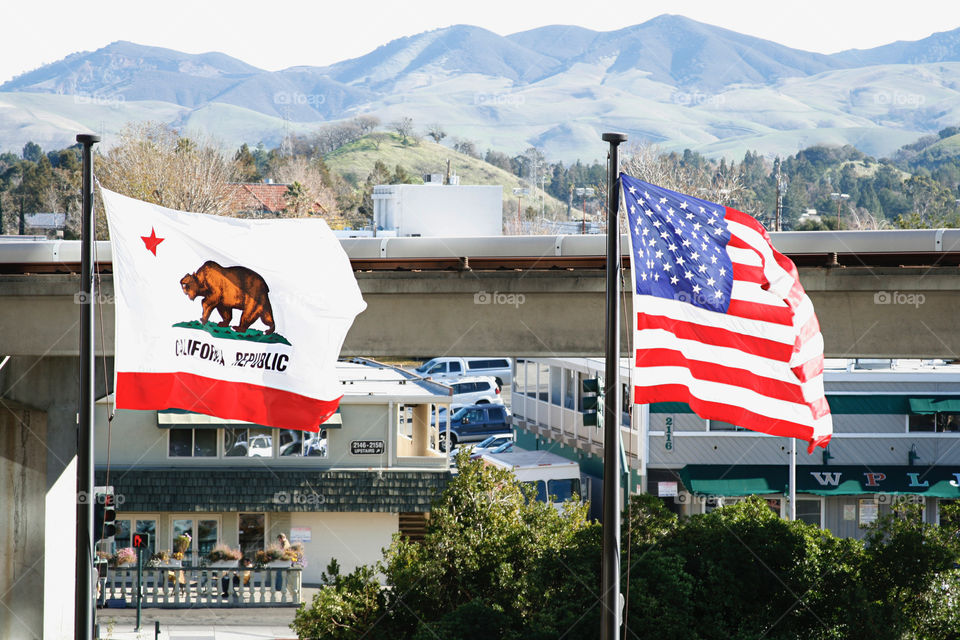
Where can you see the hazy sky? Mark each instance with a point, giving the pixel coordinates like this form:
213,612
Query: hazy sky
283,33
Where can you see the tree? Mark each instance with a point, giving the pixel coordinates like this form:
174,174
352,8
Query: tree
32,152
152,162
436,132
404,128
474,572
245,165
466,147
310,190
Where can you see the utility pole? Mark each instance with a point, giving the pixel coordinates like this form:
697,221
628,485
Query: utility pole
839,197
611,601
84,606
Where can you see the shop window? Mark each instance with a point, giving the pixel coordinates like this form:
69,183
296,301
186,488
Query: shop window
295,443
203,532
941,422
192,443
142,526
251,533
248,443
809,511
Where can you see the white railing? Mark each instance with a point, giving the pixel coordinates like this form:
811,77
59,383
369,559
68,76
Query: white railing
172,587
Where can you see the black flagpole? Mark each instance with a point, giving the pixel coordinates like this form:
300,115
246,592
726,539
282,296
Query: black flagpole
610,575
83,610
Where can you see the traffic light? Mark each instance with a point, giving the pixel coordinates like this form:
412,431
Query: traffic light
104,517
141,540
592,405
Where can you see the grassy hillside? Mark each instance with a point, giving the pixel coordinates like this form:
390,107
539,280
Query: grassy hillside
355,161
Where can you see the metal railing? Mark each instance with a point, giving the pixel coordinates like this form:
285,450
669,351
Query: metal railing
173,587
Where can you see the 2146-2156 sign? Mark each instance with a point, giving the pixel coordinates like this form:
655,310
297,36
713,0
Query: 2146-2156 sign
367,447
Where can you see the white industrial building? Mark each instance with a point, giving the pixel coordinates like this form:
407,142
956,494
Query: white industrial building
436,209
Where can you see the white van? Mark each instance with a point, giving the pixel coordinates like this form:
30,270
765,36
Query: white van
450,368
556,479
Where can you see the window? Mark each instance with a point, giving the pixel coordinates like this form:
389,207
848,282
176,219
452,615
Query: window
203,534
496,415
303,443
808,510
145,526
541,487
717,425
192,443
248,443
251,533
488,364
470,416
934,422
455,367
569,389
563,490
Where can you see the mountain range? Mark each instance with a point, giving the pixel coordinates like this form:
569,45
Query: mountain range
672,81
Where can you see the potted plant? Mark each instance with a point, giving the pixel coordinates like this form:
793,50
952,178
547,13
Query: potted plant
294,553
223,556
180,546
272,557
159,558
126,555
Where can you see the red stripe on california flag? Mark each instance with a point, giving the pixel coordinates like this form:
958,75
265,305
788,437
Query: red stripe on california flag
718,337
729,413
224,399
712,372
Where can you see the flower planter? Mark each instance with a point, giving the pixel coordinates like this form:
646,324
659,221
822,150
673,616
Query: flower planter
278,564
223,564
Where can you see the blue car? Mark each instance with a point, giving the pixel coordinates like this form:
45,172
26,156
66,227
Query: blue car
475,422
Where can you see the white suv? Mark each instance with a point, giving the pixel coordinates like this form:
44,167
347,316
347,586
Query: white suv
475,390
451,369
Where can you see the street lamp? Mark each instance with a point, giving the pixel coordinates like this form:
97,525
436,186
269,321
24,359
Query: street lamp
839,197
583,192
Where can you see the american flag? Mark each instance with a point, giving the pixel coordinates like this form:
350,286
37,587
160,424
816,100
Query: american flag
722,322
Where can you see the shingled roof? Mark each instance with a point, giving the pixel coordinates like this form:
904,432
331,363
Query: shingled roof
258,197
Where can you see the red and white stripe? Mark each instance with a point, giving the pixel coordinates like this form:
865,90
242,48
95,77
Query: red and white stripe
758,366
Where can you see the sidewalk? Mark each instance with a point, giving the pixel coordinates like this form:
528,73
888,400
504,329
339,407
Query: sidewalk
199,624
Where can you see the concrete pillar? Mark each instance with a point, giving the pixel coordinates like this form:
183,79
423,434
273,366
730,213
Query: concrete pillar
23,482
421,428
50,387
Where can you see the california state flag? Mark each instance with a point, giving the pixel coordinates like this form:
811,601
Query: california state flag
239,319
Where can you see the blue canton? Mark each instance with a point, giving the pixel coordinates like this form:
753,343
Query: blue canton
679,246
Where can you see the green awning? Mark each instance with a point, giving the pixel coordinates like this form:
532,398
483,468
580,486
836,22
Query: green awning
741,480
928,406
734,480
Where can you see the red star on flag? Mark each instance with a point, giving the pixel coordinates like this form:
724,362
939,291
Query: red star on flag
152,241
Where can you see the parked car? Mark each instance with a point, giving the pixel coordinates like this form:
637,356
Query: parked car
475,422
503,447
475,390
451,369
491,443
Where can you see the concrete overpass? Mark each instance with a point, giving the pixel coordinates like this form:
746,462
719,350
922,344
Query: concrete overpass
877,294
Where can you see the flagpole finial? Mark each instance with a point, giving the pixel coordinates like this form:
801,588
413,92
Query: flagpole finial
615,138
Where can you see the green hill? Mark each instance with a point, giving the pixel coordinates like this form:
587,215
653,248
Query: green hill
356,160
